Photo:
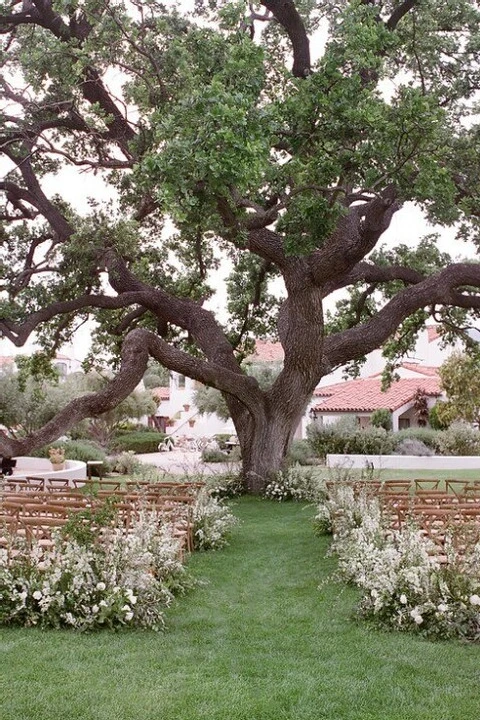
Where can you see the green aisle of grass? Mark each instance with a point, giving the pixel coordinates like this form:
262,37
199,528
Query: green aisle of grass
257,641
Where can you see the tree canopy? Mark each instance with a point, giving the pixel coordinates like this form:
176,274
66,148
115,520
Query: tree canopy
220,137
460,376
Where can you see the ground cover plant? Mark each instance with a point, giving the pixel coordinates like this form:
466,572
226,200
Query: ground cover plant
254,640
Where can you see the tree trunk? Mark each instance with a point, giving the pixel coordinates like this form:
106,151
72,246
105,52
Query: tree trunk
264,455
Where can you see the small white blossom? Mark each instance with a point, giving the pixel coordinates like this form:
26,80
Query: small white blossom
37,595
416,616
100,586
403,599
474,599
95,609
442,608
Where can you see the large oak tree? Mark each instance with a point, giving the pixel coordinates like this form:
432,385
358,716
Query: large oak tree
221,137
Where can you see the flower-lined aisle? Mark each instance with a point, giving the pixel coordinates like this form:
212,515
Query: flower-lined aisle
98,573
406,582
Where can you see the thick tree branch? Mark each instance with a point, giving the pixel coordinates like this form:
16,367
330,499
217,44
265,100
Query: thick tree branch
355,236
442,288
399,13
285,12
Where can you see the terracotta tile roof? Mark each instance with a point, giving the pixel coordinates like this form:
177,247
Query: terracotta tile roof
429,370
161,393
432,333
267,351
365,395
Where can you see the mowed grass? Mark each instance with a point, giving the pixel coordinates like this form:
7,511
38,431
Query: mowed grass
393,474
256,641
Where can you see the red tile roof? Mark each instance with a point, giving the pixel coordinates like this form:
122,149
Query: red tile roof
365,395
429,370
432,333
267,351
161,393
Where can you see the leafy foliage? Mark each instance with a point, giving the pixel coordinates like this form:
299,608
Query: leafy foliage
215,147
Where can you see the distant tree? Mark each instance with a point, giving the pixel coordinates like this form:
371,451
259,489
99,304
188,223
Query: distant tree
27,404
435,419
460,378
209,400
156,376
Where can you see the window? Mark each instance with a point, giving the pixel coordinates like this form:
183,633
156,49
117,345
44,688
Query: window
181,381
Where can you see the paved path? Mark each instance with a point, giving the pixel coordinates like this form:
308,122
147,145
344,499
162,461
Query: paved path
183,462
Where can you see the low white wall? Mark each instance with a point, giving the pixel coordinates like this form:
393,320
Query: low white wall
405,462
41,467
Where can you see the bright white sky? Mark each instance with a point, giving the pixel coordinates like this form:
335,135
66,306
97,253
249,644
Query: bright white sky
408,226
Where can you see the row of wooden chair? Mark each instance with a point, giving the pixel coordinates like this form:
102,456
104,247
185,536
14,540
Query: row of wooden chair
439,509
33,513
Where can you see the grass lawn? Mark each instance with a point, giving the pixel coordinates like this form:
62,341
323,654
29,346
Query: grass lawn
256,641
331,473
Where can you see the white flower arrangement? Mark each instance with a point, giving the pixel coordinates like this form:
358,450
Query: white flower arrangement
294,484
404,584
212,521
129,578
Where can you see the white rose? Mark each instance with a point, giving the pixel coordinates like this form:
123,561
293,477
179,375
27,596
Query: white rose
442,608
475,599
126,608
101,586
95,609
129,615
403,599
103,603
37,595
415,615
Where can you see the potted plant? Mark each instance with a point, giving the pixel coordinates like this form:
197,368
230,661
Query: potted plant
186,407
191,422
57,458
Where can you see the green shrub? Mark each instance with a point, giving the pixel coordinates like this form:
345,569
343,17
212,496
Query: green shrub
125,464
428,436
370,441
434,418
138,442
412,446
213,456
345,436
382,418
459,439
224,486
301,453
324,440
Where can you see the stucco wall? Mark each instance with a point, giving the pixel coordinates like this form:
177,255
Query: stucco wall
404,462
41,467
